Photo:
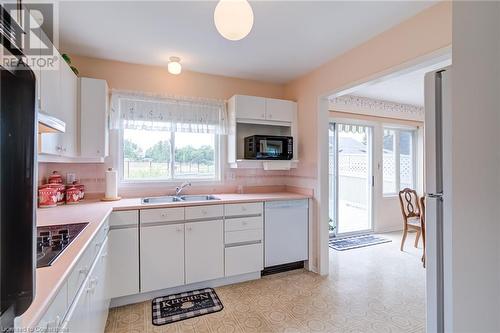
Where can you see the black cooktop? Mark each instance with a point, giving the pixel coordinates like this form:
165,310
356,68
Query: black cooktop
52,240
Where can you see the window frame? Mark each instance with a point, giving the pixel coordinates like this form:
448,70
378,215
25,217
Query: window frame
397,156
217,179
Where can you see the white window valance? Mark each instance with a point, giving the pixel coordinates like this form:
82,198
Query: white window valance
134,110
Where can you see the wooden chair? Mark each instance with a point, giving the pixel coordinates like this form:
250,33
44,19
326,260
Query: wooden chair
422,225
410,209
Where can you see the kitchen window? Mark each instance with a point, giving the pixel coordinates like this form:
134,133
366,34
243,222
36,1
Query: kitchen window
160,155
398,160
165,139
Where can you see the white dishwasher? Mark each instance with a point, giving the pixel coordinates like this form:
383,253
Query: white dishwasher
286,232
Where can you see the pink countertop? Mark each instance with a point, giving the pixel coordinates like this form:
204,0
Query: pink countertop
50,279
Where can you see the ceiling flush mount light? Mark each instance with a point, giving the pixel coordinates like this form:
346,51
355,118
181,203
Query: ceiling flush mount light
174,65
233,19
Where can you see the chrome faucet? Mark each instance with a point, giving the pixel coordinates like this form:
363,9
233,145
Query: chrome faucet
179,189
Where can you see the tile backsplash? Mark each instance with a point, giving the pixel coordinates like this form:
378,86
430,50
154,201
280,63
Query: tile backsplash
92,176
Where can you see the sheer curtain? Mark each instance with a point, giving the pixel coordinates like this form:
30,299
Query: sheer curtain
135,110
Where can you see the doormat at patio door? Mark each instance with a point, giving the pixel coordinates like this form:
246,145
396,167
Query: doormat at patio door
349,243
177,307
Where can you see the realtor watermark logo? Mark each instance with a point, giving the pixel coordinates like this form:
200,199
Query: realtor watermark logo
36,37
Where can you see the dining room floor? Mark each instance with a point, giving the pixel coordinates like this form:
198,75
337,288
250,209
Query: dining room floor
372,289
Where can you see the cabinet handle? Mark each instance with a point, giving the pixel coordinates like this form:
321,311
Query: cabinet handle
189,228
244,208
179,229
244,223
204,212
84,270
270,116
163,214
104,255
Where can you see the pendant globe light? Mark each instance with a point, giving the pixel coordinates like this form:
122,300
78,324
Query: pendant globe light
233,19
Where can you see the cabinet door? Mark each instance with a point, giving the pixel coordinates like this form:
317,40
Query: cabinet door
50,100
93,117
162,256
280,110
69,87
98,301
123,264
204,251
250,107
78,318
50,86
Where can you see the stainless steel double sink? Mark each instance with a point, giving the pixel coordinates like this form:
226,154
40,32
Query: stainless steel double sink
173,198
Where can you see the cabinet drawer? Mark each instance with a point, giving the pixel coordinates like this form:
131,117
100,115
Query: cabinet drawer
241,236
123,218
203,212
253,208
243,259
244,223
162,215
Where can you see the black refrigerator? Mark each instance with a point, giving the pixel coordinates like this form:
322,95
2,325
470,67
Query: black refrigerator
18,122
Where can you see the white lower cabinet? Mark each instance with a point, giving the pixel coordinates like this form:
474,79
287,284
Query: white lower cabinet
123,262
89,310
244,259
204,246
123,253
162,256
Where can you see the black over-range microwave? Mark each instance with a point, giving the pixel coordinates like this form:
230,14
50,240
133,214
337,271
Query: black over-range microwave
268,147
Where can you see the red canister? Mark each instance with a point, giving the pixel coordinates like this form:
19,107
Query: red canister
47,196
72,195
60,192
81,187
55,178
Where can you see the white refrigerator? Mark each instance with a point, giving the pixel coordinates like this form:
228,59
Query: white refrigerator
438,186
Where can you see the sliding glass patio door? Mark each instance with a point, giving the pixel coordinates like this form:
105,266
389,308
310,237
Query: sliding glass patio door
351,178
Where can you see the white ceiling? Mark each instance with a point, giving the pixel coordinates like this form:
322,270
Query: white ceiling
289,38
405,89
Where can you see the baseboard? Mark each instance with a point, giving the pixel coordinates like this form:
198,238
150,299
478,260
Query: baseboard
137,298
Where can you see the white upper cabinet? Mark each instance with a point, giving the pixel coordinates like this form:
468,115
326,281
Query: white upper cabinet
260,108
93,118
69,110
280,110
50,87
58,97
249,107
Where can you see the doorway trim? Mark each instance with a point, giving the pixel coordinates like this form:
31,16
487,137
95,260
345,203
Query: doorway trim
322,115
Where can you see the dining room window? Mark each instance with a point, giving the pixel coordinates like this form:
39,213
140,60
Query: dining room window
398,160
